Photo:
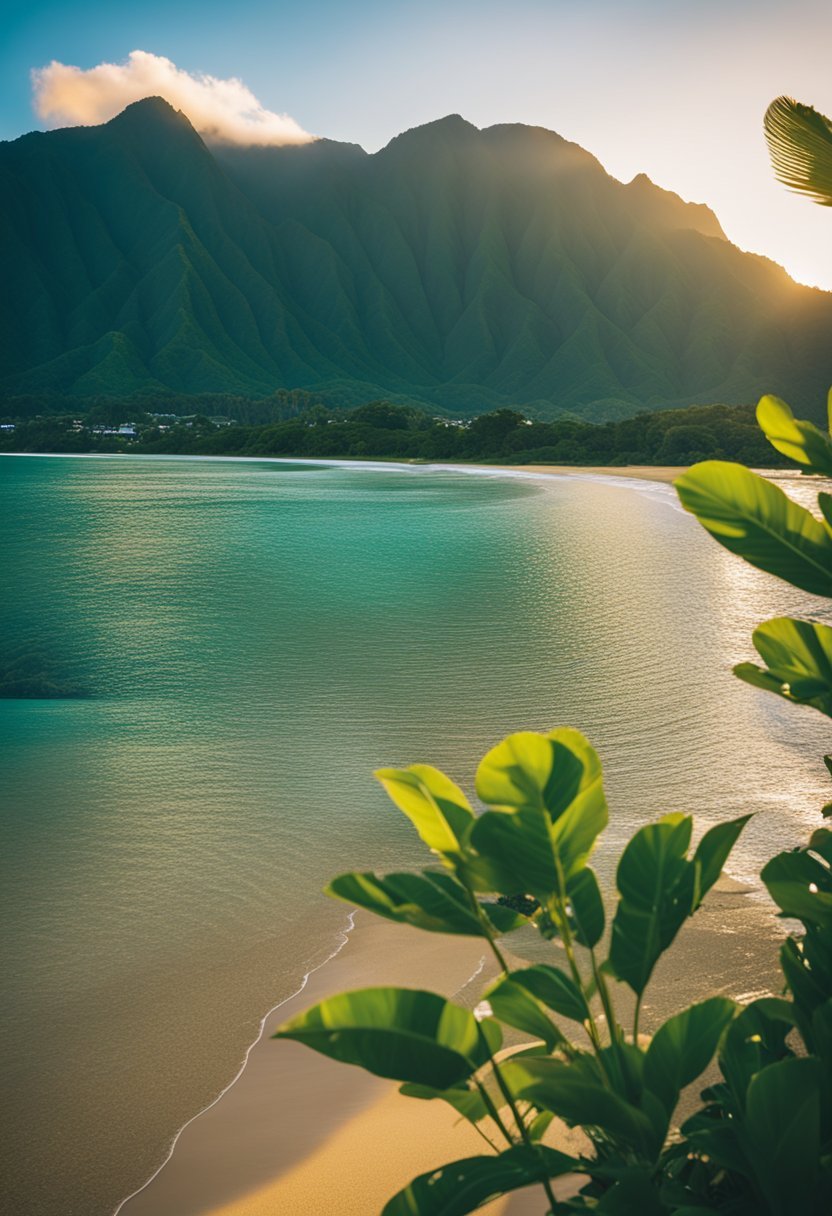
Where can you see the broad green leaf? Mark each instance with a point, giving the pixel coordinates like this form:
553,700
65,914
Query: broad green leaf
558,773
822,1039
755,1039
579,1100
550,803
825,504
755,519
720,1140
513,1004
798,655
635,1191
432,901
781,1133
555,989
713,851
683,1047
800,145
504,920
435,902
801,886
659,888
808,979
463,1186
656,896
820,842
467,1102
401,1033
515,774
435,806
800,441
517,850
586,908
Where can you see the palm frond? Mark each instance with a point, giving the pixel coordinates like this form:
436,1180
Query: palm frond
800,145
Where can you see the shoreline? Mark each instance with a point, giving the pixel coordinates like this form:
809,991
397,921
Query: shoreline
663,474
288,1135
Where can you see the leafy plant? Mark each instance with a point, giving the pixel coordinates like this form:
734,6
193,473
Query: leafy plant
546,809
800,145
761,1141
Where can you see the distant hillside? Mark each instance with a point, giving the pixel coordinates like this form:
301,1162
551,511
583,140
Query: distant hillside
456,268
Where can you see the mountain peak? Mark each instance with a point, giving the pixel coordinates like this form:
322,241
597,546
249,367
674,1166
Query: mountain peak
150,110
670,210
453,128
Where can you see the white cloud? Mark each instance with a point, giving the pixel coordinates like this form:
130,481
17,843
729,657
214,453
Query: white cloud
224,111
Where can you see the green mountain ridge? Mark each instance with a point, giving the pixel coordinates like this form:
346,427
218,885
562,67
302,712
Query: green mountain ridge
459,268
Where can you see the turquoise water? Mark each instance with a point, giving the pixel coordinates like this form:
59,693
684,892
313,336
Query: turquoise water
246,642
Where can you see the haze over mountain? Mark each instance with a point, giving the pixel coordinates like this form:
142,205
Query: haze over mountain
462,268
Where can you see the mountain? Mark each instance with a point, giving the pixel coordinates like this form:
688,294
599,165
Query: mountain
461,268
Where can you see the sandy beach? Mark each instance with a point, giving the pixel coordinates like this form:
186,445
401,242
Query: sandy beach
641,472
299,1135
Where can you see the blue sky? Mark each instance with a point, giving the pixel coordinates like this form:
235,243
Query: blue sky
675,90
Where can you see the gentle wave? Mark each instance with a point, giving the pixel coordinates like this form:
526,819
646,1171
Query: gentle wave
344,936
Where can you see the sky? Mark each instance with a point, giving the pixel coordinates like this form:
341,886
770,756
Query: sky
674,90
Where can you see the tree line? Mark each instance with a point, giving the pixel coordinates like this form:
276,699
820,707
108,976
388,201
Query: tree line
297,424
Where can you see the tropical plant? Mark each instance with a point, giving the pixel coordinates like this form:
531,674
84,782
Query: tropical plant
800,145
546,809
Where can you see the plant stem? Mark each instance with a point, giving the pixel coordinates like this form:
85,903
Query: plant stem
493,1112
636,1016
487,931
518,1119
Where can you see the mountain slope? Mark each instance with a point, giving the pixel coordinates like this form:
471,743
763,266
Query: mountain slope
458,267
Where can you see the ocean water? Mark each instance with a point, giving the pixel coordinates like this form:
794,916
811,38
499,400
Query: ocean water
239,645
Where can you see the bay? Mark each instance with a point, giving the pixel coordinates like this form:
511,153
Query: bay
239,645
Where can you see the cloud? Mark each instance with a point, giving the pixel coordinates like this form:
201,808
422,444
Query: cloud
224,111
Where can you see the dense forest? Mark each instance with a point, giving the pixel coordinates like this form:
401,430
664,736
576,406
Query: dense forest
297,424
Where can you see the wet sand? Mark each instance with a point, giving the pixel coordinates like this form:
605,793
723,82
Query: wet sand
642,472
300,1135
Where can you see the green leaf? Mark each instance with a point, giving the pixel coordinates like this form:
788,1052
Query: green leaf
517,851
550,803
463,1186
586,908
435,806
634,1192
801,886
808,976
799,659
543,772
430,900
755,1039
513,1004
436,902
659,888
713,851
467,1102
820,842
555,989
504,919
800,145
683,1047
579,1100
401,1033
754,519
655,898
782,1133
800,441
